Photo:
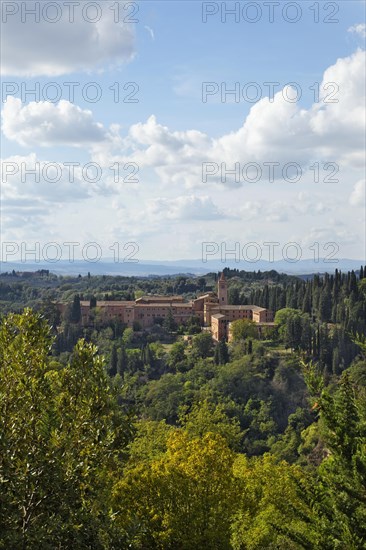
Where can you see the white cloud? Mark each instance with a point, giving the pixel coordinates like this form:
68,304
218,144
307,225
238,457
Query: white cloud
331,238
310,204
272,132
34,193
31,48
48,124
277,131
339,127
150,31
28,178
159,210
249,210
190,207
358,29
357,197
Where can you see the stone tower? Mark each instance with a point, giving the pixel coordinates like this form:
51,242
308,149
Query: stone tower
222,292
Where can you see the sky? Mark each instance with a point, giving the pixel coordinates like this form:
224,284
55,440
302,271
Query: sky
177,130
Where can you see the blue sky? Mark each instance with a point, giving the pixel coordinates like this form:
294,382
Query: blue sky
169,133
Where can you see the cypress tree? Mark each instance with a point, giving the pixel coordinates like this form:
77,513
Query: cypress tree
250,347
221,355
75,314
306,303
122,363
113,361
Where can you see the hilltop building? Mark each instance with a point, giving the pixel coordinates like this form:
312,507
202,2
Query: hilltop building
212,310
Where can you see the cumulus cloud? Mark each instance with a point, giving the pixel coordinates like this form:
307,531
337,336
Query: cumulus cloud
359,29
48,124
272,132
331,130
190,207
27,201
159,210
357,197
310,204
27,178
33,47
339,123
35,191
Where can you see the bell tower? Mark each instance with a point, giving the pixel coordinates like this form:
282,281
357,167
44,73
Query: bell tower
222,291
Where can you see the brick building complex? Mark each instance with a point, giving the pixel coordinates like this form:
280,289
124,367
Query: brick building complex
212,310
218,314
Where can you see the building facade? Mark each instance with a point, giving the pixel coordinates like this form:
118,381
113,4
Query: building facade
211,309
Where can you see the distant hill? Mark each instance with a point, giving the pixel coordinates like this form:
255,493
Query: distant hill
177,267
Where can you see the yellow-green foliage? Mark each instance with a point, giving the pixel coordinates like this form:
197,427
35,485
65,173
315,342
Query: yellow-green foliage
185,499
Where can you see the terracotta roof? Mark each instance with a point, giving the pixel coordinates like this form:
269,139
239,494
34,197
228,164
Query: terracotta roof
157,304
154,298
207,295
120,303
110,303
239,308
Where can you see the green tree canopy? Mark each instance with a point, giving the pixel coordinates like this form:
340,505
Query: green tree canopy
242,329
62,438
202,345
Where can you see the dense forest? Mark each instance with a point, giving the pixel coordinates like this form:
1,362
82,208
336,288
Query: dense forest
115,438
